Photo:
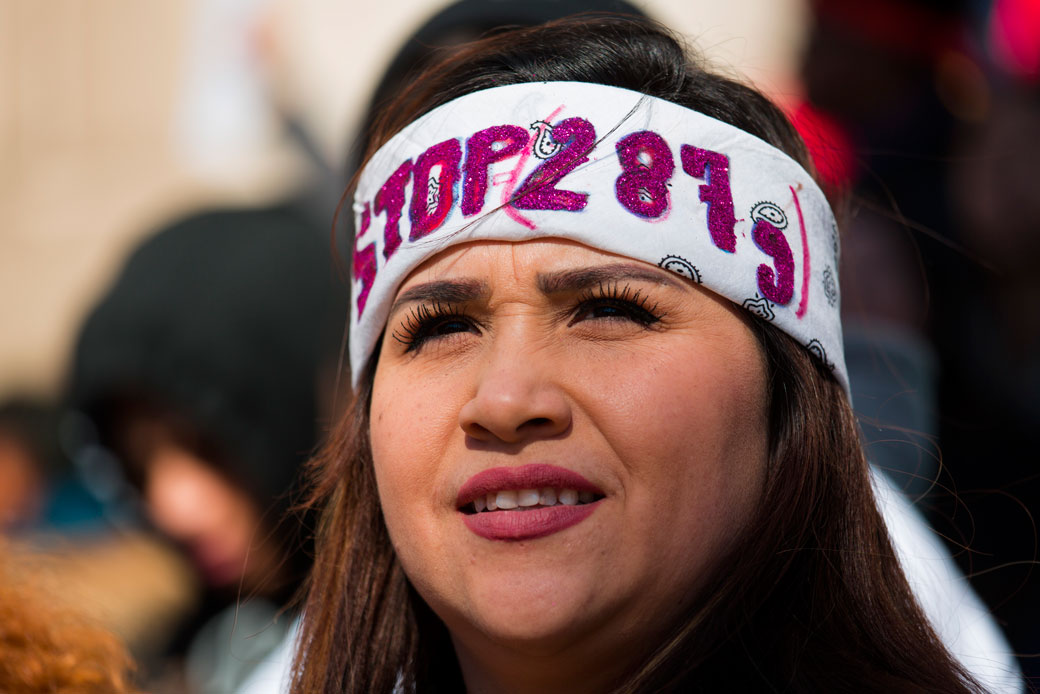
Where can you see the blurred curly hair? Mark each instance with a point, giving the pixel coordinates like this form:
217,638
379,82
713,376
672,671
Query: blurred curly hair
45,647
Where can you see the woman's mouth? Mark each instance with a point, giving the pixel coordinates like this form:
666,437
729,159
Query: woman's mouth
529,499
526,502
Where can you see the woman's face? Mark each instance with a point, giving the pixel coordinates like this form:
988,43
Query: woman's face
215,521
618,407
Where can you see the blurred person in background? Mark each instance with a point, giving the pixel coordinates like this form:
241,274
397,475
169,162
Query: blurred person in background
200,371
28,454
928,112
39,488
881,131
990,330
56,530
53,520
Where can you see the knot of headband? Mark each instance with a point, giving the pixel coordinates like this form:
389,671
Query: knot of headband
612,169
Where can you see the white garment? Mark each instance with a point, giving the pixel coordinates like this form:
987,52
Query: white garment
956,613
231,645
272,674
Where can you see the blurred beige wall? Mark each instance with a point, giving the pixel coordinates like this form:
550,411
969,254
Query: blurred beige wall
86,88
90,92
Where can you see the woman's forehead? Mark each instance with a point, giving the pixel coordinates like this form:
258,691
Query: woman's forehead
499,261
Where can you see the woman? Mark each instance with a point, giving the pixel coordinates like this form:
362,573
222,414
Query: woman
199,370
570,465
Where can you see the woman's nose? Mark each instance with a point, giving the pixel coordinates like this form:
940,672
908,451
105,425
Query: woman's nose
517,399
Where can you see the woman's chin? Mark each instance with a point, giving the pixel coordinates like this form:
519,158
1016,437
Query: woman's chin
536,611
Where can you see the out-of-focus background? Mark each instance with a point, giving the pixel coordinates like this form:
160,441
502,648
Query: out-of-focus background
120,117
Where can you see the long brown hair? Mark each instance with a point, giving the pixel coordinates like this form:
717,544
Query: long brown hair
811,598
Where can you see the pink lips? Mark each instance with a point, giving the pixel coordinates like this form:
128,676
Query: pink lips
515,525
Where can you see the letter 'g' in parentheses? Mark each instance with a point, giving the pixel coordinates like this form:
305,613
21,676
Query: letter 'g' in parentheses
390,199
778,287
713,169
364,262
481,154
424,220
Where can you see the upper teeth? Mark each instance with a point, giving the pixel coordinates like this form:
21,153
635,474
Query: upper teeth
526,498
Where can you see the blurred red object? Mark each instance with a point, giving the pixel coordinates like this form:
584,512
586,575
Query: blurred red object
831,148
1014,37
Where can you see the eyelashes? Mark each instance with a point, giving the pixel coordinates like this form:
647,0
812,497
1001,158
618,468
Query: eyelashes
609,303
427,321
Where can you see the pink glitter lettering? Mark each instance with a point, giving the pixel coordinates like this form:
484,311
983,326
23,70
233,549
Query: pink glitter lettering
364,262
432,199
713,168
390,199
539,191
642,187
481,153
777,287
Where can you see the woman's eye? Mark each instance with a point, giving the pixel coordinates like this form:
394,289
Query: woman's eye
425,324
607,312
449,326
614,309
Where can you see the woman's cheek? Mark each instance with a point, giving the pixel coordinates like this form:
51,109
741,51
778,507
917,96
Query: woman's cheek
409,435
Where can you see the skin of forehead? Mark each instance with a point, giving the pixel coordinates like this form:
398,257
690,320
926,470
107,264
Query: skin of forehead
614,268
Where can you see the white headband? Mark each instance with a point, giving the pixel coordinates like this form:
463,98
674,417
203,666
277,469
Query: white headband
612,169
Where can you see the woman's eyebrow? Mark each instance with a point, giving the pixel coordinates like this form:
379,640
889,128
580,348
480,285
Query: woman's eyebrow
441,291
573,280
